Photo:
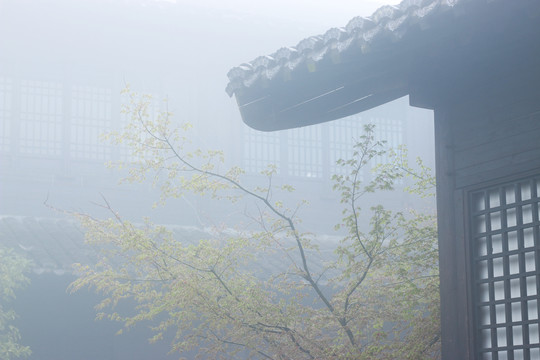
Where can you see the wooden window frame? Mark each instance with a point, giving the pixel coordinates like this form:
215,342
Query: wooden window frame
526,349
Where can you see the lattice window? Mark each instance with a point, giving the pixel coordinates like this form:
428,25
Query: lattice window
6,93
91,117
41,118
304,146
156,105
389,130
506,264
261,149
343,135
305,152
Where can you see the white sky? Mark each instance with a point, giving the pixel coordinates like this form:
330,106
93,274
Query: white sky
327,13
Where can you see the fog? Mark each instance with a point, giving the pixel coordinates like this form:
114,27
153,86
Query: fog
63,64
63,59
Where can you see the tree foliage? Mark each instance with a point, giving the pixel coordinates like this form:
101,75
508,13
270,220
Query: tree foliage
376,299
12,278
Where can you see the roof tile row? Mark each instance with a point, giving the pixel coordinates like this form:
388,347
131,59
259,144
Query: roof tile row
54,245
387,22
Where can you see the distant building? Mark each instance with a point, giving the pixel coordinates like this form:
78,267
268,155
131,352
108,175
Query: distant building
62,68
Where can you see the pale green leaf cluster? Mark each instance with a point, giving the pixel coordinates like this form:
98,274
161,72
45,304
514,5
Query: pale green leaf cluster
421,178
391,269
12,278
377,299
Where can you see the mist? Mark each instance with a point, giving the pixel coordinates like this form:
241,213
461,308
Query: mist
63,66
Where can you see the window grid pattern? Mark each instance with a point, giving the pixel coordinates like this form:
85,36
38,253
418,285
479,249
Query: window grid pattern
261,149
91,110
153,110
343,135
5,114
41,118
389,130
506,263
305,152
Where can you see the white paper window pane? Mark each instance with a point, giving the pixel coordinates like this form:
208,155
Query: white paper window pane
500,314
516,311
498,267
525,191
480,224
515,288
494,200
530,264
479,202
498,286
486,338
510,193
483,290
533,334
511,219
527,214
495,220
496,244
501,337
483,269
481,246
532,308
512,240
513,262
485,315
517,335
528,237
531,285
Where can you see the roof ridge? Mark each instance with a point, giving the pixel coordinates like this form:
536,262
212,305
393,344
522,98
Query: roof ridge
387,21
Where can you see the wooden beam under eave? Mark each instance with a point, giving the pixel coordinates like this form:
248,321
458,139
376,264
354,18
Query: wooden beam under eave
326,108
289,105
331,92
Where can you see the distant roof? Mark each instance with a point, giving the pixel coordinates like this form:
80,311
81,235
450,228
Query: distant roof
372,60
54,245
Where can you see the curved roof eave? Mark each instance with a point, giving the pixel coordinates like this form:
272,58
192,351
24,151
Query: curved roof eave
365,64
387,25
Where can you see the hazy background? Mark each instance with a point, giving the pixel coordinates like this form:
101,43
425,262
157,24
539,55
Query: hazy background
63,64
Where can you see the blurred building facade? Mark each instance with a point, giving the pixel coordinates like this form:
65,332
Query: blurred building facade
63,65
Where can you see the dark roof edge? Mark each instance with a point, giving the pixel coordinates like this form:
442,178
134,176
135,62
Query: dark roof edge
387,21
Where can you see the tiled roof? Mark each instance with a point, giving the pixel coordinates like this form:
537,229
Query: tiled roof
388,23
54,245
